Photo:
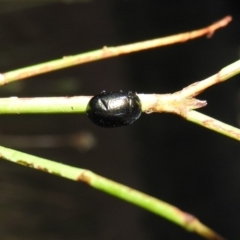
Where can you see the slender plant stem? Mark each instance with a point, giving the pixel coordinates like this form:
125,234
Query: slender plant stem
213,124
107,52
163,209
223,75
15,105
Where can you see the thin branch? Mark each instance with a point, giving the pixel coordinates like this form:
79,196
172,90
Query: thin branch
108,52
213,124
45,105
48,105
223,75
161,208
182,102
183,107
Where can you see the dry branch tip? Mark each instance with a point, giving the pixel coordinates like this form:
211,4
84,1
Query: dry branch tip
219,24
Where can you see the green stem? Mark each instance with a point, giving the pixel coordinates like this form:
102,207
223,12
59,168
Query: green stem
213,124
53,105
50,105
107,52
163,209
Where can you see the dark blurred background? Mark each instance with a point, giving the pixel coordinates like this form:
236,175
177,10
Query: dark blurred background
161,154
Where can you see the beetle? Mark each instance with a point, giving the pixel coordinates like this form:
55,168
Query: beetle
114,109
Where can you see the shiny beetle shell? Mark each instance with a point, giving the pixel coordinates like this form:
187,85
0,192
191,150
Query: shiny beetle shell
114,109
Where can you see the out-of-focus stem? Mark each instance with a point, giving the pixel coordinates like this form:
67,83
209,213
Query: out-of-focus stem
82,141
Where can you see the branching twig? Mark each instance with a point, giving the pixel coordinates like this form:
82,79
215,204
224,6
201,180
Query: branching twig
163,209
181,103
223,75
108,52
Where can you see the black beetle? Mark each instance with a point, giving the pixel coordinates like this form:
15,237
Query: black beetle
114,109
